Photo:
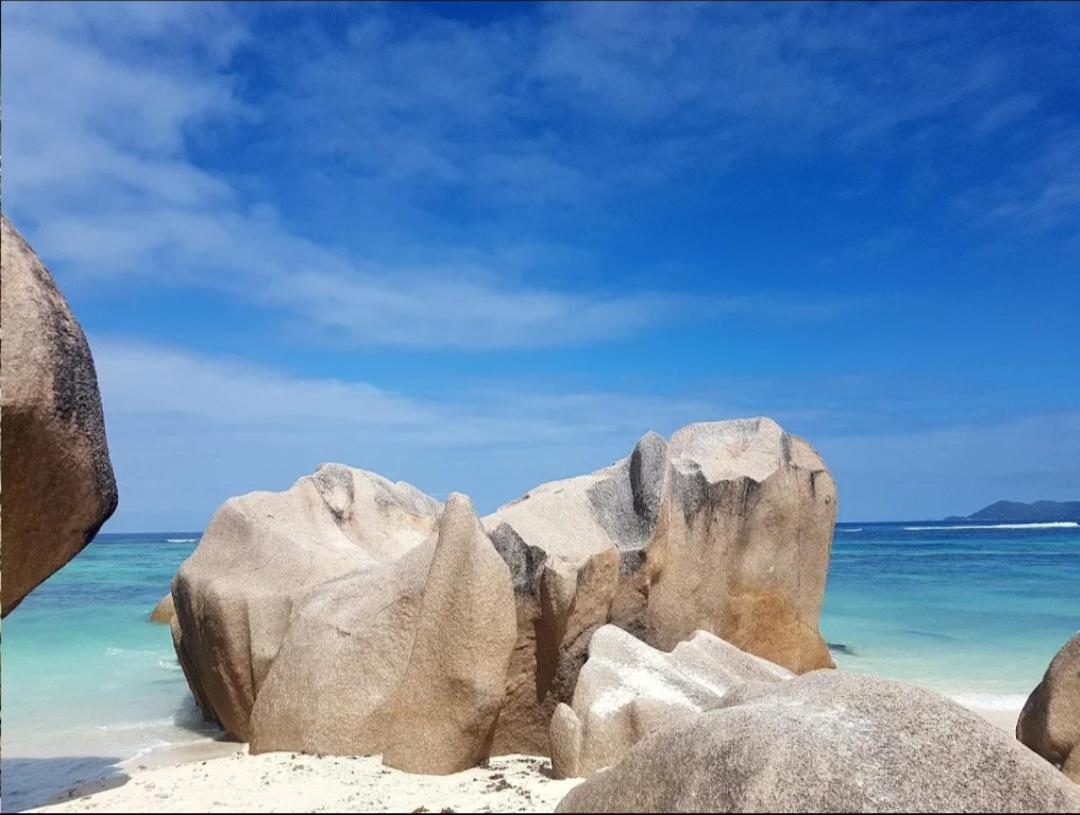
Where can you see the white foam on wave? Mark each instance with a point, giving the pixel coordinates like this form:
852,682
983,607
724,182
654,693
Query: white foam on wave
136,652
180,540
1046,525
857,529
152,724
991,701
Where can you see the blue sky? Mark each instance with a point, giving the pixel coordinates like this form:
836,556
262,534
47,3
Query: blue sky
480,246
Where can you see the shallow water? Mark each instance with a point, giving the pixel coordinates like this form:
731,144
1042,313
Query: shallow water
967,611
89,683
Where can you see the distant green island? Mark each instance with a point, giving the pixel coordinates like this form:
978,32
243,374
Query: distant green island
1035,512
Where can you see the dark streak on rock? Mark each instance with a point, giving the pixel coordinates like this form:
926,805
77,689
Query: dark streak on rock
526,563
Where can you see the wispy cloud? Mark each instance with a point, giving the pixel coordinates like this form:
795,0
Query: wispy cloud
188,430
426,102
231,395
1037,194
99,169
110,111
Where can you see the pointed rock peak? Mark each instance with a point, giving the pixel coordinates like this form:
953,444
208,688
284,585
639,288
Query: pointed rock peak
648,464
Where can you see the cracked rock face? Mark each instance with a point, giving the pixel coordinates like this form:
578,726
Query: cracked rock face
1050,721
627,690
58,483
316,619
828,742
727,528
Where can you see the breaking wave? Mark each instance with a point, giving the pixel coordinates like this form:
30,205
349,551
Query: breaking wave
1046,525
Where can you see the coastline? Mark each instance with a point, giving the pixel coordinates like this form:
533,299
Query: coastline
135,723
266,783
998,715
222,776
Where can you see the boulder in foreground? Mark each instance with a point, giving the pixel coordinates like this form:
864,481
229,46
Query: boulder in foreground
628,690
58,482
1050,721
349,615
407,660
829,742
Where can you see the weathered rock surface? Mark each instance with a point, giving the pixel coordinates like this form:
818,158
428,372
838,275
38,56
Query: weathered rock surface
164,611
727,528
349,614
829,742
627,690
58,484
408,661
1050,721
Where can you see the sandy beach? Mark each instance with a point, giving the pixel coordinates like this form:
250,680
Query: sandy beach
268,783
239,782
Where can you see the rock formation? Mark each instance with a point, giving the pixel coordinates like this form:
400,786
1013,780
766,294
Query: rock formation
1050,721
407,660
726,528
627,690
829,742
58,484
349,615
164,611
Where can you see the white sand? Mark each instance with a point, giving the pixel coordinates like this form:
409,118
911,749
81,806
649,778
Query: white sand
1004,718
287,782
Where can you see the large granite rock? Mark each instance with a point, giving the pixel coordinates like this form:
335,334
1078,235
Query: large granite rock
829,742
727,528
1050,721
627,690
351,615
420,675
58,484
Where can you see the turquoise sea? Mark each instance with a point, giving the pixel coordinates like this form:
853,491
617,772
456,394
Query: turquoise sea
88,683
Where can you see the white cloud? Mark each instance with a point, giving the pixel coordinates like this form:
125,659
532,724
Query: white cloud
97,170
105,104
229,394
186,431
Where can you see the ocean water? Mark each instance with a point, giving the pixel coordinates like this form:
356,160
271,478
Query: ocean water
87,682
89,686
